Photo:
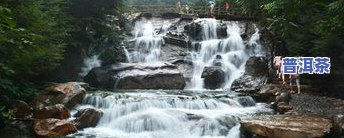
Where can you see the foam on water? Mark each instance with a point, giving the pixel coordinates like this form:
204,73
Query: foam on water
147,42
156,114
89,64
231,49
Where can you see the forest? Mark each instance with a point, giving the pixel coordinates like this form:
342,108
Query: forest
44,41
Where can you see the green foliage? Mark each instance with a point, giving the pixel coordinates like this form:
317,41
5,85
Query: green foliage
30,41
94,21
18,90
6,113
310,28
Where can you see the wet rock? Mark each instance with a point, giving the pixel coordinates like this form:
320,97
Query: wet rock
88,117
69,94
194,117
170,15
228,121
56,111
257,66
23,110
286,126
53,128
246,101
194,30
133,16
338,124
283,97
283,107
254,78
214,77
218,61
136,76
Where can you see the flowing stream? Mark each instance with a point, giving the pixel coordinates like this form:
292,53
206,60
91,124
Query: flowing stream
191,113
168,114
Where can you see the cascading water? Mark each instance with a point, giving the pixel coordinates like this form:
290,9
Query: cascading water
231,50
166,114
256,47
89,64
178,114
147,43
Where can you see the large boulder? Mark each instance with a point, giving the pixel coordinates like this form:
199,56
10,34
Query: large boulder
255,76
53,128
136,76
88,117
69,94
214,77
286,126
56,111
257,66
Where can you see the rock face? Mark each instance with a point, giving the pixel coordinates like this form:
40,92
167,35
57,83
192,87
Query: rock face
256,70
214,77
136,76
87,118
69,94
56,111
285,126
194,30
53,128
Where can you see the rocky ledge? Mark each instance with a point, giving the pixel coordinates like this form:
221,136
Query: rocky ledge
136,76
286,126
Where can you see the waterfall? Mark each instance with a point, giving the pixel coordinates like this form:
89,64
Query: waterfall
177,113
231,50
90,63
255,46
147,43
166,114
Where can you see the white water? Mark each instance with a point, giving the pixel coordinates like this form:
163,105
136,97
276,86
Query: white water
177,114
231,49
147,42
256,47
165,114
89,64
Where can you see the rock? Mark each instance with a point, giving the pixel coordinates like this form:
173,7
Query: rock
69,94
286,126
88,117
228,121
56,111
23,110
283,107
246,101
170,15
214,77
194,30
257,66
218,61
53,128
254,77
283,97
133,16
136,76
338,124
